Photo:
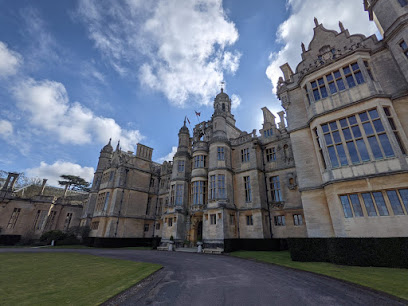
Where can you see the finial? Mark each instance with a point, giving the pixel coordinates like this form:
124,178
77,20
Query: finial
110,139
118,146
303,47
341,26
185,121
222,86
316,22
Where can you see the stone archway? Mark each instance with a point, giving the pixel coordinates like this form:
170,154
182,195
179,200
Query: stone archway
196,231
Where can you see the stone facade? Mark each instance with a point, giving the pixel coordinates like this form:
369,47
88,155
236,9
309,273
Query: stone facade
33,210
338,169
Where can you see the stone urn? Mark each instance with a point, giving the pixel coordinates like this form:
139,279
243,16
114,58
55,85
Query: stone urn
171,245
199,247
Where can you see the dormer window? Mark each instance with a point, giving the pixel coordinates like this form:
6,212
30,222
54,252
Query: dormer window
268,133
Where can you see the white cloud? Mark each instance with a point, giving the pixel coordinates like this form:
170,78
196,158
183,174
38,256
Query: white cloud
299,28
54,171
48,107
168,157
6,129
179,47
9,61
235,101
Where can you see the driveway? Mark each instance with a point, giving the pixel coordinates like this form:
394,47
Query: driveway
198,279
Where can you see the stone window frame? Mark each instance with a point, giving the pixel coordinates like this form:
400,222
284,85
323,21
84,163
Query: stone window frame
179,194
199,161
146,227
232,219
270,154
391,121
268,133
172,194
249,220
362,137
50,219
213,219
221,191
13,218
40,219
67,221
213,187
220,153
375,203
404,47
94,225
297,220
170,222
248,189
157,226
198,192
180,166
148,205
245,157
343,78
279,220
275,189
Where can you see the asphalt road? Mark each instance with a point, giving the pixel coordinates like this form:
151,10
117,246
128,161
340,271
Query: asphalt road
198,279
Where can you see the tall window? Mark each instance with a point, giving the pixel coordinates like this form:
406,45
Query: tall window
111,175
50,220
198,193
319,89
297,220
102,201
268,133
221,186
357,131
245,155
170,222
13,218
220,153
179,194
318,140
249,220
247,185
172,197
199,161
67,222
151,182
276,195
213,219
149,203
180,166
394,129
146,227
279,220
270,154
404,48
105,206
40,219
212,188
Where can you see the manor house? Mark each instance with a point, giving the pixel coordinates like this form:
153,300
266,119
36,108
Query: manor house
338,169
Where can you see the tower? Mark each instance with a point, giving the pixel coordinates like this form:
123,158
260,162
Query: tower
391,17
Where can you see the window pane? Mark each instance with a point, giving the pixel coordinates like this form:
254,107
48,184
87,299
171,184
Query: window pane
320,81
354,66
332,88
346,70
404,196
314,84
359,77
368,128
346,207
375,147
362,149
336,137
325,128
379,200
329,77
356,131
378,126
340,84
333,157
323,91
333,125
353,152
369,204
316,94
342,154
328,139
356,205
347,134
386,145
343,122
363,117
373,114
395,202
352,119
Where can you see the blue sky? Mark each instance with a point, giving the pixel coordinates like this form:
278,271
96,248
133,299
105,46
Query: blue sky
75,73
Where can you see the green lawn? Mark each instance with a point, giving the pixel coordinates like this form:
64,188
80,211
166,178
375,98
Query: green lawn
70,279
389,280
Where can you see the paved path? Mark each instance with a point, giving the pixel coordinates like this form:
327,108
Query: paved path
197,279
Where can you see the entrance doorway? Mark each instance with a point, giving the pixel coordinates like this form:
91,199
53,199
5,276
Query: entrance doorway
199,236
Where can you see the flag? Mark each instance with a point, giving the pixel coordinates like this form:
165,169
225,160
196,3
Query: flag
198,114
188,120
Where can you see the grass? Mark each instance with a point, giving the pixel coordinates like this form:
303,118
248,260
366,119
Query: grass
390,280
74,279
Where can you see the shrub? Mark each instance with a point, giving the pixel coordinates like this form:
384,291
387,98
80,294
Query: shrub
56,235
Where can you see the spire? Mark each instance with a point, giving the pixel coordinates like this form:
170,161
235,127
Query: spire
341,26
118,146
108,147
303,47
109,143
316,22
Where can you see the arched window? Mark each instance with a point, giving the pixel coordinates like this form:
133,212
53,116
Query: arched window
223,106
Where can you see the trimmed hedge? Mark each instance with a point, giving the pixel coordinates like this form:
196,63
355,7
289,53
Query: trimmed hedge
9,239
376,252
231,245
122,242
